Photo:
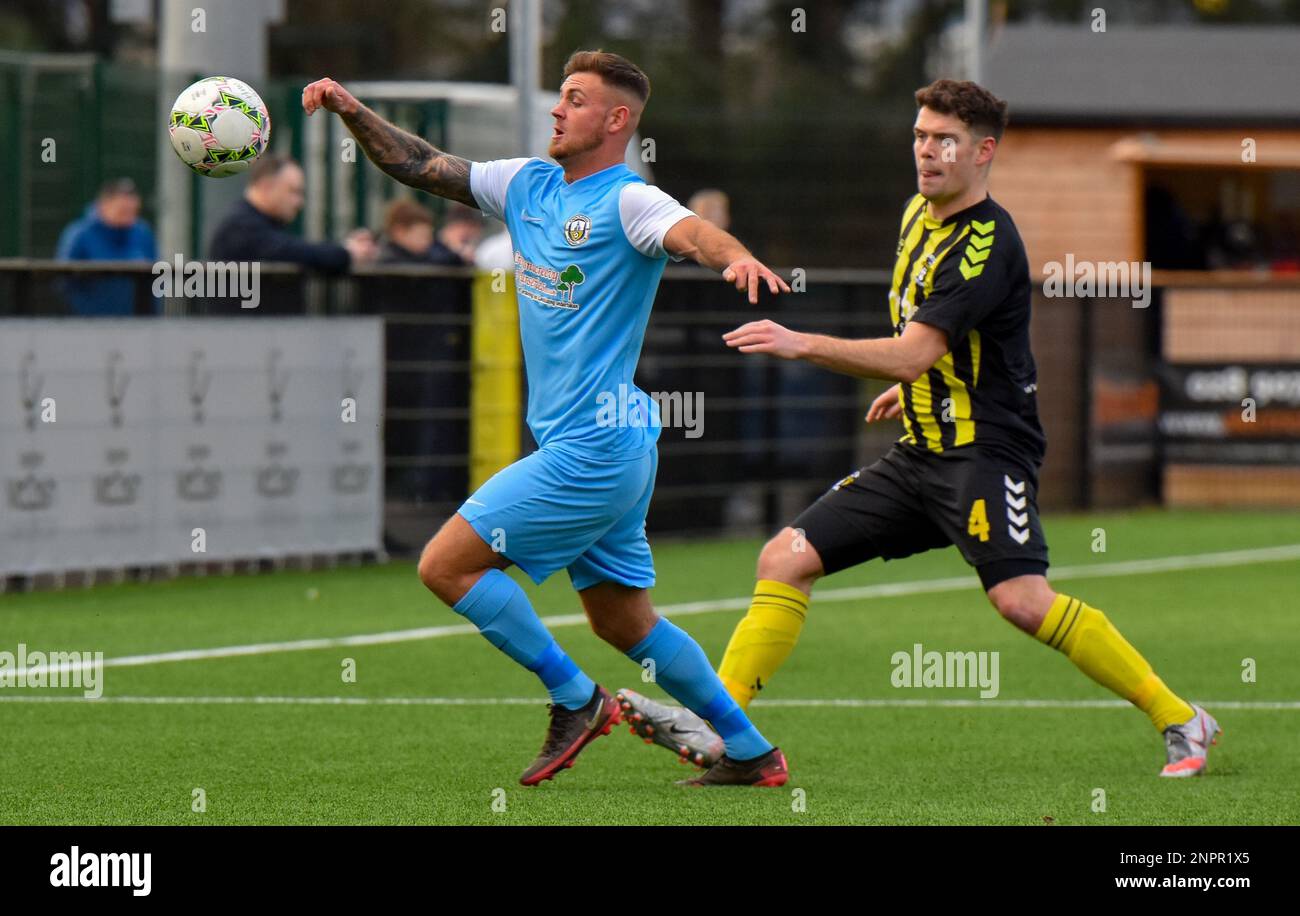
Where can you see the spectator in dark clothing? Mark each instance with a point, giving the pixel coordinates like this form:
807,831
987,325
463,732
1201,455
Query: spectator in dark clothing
458,239
109,230
426,324
408,235
255,228
409,238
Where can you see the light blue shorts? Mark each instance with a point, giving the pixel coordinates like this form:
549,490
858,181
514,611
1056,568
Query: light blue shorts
558,509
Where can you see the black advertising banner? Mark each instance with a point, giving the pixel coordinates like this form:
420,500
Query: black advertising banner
1230,413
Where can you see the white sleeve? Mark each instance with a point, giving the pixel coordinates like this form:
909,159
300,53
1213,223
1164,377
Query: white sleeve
488,182
647,214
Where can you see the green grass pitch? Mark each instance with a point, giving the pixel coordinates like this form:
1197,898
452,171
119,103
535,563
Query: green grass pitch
375,762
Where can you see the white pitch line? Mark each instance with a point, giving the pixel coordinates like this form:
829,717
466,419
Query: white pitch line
847,703
1247,557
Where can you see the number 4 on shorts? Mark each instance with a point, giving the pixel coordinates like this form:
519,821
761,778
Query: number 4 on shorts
977,526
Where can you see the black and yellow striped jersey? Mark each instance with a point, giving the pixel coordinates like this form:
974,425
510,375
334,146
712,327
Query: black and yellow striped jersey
968,276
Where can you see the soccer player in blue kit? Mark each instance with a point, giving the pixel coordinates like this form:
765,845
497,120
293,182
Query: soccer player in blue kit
590,243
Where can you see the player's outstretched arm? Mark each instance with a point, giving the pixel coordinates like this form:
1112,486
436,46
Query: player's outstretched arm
403,156
898,359
711,247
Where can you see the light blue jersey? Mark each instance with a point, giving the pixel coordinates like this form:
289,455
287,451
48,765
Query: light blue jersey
588,257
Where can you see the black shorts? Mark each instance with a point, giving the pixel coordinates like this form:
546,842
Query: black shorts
913,500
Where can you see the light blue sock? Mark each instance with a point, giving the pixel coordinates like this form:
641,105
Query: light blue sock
682,669
500,610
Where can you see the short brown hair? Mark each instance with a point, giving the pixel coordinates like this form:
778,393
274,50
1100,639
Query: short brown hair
976,107
614,69
459,213
268,166
402,213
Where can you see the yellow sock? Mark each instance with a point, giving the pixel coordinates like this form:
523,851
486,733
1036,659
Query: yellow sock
1098,650
763,639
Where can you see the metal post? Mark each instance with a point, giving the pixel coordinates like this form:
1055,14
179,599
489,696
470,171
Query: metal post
976,14
190,41
525,27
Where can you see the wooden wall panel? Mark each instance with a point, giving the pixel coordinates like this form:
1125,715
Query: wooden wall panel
1223,325
1224,485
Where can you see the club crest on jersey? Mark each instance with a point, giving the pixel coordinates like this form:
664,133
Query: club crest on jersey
919,279
577,229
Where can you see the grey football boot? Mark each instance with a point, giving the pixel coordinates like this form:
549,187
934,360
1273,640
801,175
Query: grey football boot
1188,745
674,727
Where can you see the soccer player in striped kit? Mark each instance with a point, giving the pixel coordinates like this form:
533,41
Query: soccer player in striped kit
965,471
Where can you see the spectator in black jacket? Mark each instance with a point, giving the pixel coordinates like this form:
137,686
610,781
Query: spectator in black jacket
427,344
256,228
457,241
408,235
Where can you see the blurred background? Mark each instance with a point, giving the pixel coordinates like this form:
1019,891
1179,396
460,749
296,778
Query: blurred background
1154,132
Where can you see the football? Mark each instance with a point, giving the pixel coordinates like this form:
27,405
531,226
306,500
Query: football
218,126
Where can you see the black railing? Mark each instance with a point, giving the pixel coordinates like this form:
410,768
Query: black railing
775,434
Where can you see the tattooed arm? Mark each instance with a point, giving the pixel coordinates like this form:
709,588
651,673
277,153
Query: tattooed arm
401,155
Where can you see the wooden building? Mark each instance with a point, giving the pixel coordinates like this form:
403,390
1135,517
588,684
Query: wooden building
1177,147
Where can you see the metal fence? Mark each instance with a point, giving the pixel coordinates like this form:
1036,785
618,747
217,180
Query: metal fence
75,120
770,435
1119,388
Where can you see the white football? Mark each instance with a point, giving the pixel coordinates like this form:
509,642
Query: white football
218,126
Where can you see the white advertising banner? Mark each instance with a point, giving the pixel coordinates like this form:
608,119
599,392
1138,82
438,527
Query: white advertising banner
130,442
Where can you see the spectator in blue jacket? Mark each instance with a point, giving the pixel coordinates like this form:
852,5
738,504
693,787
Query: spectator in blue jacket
109,230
